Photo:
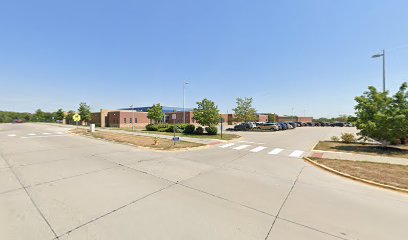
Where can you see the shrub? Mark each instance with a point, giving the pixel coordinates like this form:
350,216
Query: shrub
348,137
211,130
182,126
189,129
335,138
199,131
171,129
151,127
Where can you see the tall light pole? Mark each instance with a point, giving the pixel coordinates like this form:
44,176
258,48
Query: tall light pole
133,118
184,101
383,58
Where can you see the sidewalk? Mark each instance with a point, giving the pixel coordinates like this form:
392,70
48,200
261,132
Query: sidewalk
358,157
187,139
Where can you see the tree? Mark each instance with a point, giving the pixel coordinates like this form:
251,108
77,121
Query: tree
85,112
272,117
69,116
244,112
59,114
381,117
206,113
155,113
39,115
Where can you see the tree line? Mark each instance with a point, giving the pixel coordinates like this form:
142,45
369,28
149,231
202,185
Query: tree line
39,115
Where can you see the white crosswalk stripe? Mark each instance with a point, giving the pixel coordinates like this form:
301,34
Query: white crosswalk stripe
11,135
258,149
296,153
275,151
60,133
31,134
241,147
227,145
46,133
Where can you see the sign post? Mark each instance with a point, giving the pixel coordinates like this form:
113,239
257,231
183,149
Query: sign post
175,139
222,120
76,118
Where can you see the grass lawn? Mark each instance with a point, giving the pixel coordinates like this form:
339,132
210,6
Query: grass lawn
370,149
225,136
384,173
142,141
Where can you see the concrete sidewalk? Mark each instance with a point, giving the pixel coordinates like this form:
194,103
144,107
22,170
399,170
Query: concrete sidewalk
358,157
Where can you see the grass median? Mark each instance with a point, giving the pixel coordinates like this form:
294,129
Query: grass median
383,173
141,141
363,148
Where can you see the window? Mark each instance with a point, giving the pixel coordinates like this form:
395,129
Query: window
135,120
130,120
124,120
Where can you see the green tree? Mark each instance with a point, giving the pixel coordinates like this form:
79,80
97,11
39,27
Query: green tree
69,116
245,112
85,112
381,117
272,117
156,114
39,115
59,114
206,113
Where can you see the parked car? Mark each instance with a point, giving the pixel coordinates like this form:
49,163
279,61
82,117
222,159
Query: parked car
269,126
283,126
18,121
338,124
348,124
293,124
242,127
309,124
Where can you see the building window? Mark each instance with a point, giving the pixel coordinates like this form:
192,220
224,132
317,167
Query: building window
135,120
124,120
130,120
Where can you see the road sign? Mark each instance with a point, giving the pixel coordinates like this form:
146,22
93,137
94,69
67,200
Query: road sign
174,116
176,139
76,117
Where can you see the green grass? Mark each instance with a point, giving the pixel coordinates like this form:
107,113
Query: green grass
361,148
227,136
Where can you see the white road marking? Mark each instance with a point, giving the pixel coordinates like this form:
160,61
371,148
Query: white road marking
11,135
251,142
258,149
227,145
46,133
241,147
31,134
45,136
296,153
275,151
60,133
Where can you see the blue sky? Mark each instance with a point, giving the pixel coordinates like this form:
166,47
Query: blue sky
311,55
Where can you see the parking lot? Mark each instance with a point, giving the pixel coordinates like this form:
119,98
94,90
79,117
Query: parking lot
54,185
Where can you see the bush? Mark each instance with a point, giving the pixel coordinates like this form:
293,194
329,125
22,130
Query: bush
189,129
211,130
348,137
151,127
199,131
335,138
171,129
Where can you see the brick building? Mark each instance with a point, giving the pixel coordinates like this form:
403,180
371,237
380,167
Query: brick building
294,119
127,119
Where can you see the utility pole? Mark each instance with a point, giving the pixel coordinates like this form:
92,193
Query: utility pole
292,114
184,101
383,58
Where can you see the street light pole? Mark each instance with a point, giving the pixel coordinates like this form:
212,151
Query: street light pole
184,101
383,58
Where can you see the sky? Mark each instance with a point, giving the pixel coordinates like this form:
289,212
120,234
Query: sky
312,57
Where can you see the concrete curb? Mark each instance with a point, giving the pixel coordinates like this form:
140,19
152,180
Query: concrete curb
355,178
145,148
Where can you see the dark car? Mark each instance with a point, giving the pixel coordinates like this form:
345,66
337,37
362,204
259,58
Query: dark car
242,127
294,125
283,126
338,124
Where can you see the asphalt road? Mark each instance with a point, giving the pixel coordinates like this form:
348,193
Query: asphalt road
56,185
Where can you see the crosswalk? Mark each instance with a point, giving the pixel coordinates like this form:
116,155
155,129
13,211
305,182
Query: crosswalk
256,149
36,135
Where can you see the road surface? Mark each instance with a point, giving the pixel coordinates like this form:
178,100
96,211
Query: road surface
54,185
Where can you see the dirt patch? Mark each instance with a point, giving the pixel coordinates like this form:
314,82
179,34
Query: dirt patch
384,173
141,141
371,149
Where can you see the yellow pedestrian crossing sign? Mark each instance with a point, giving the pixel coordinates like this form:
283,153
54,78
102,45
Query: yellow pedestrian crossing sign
76,117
